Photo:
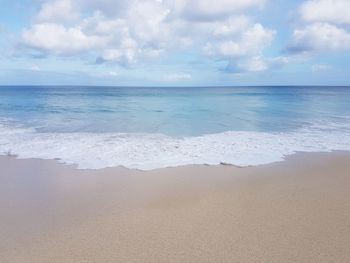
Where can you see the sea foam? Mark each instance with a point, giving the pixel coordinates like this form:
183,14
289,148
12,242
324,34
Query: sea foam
152,151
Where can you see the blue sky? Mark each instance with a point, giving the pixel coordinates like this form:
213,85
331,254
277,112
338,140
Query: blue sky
174,42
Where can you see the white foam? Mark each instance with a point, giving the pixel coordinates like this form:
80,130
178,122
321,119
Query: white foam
151,151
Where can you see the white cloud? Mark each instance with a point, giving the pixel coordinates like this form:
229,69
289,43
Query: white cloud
259,63
59,40
233,25
57,11
323,27
209,9
112,73
320,67
331,11
128,32
141,31
250,42
174,77
110,8
320,37
35,68
254,64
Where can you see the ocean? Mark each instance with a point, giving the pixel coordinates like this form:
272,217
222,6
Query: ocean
156,127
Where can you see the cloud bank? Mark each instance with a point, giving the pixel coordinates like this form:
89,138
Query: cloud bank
226,32
324,29
132,32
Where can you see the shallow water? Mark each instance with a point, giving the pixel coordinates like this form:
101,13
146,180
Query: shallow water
148,128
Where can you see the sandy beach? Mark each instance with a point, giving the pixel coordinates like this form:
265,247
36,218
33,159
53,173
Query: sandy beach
292,211
176,131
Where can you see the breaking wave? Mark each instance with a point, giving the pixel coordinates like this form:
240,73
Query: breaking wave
152,151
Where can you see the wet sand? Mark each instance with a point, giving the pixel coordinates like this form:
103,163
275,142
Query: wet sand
292,211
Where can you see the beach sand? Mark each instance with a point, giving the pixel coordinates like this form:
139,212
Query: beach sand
293,211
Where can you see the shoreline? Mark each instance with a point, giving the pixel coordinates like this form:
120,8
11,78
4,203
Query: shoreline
154,151
285,158
297,210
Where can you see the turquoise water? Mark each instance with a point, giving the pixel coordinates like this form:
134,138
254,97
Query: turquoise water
173,121
172,111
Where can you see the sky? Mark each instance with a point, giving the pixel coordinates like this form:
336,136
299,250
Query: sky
175,42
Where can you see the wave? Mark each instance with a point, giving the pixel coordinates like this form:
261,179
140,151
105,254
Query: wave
152,151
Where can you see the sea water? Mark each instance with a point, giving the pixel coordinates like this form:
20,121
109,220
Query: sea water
156,127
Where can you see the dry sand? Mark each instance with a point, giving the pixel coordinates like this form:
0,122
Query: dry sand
293,211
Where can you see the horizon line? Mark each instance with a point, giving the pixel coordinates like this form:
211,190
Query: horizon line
179,86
